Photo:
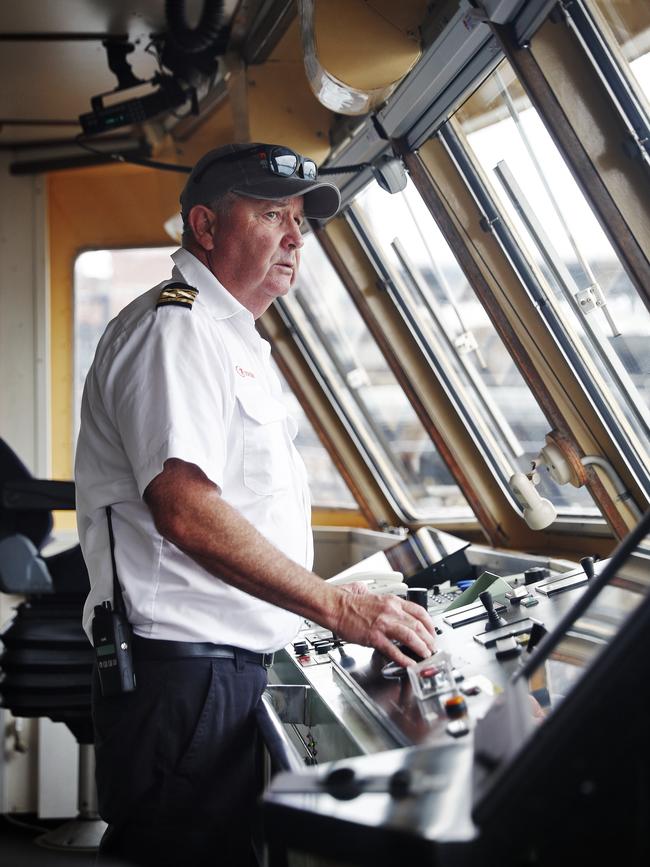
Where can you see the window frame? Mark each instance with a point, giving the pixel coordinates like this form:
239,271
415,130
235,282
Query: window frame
369,452
495,221
621,88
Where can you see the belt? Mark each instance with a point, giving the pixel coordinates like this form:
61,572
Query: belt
154,648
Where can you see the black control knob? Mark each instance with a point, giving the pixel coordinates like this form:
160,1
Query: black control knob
400,783
343,784
535,574
537,632
419,595
494,621
587,564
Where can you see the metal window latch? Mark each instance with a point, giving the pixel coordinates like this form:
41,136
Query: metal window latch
593,298
357,378
466,343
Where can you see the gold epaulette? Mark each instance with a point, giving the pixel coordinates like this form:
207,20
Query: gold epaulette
177,295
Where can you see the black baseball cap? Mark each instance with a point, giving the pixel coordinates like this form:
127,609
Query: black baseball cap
246,169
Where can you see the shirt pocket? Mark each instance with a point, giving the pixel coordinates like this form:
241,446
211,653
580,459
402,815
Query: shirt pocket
266,465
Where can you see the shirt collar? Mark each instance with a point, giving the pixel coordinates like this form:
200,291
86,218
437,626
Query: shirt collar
213,294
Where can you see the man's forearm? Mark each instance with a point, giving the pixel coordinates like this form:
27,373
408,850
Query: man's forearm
224,543
251,563
189,511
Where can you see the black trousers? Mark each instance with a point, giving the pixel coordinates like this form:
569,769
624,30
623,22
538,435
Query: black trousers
178,771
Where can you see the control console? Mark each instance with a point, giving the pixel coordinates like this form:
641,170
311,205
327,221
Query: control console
481,643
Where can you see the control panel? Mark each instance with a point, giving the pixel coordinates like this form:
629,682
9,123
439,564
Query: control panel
483,635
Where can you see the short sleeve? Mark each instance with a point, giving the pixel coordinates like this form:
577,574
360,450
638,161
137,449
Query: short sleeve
169,394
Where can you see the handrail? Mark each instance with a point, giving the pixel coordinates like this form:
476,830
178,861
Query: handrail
284,755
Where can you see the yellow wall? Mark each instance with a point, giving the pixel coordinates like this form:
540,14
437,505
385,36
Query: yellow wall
108,206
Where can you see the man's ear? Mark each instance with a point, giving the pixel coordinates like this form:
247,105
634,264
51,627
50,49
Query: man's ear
202,220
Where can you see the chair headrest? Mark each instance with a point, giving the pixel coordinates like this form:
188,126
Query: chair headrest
36,524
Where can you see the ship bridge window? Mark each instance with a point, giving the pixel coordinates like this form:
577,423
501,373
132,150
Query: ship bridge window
105,281
465,349
627,25
326,485
601,317
366,394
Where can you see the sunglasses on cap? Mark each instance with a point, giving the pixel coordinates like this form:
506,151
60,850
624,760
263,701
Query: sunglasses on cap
278,160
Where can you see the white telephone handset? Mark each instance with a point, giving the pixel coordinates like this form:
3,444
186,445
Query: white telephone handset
376,582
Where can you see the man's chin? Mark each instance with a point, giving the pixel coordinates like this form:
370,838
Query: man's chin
278,290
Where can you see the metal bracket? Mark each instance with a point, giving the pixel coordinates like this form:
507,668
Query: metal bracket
590,298
593,298
295,704
466,343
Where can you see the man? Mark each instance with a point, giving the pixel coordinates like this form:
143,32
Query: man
185,436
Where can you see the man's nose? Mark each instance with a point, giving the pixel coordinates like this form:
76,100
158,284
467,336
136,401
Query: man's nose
293,237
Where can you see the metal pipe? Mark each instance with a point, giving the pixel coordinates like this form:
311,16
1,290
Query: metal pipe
622,493
87,789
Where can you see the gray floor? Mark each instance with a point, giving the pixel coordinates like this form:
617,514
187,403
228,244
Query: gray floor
19,849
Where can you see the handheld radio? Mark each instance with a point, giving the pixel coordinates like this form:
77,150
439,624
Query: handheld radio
113,636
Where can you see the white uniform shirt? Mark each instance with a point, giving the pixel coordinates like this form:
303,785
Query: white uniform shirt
196,385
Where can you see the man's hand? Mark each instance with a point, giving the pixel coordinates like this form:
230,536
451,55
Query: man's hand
355,587
377,621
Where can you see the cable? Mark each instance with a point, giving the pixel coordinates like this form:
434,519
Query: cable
622,494
124,158
11,820
345,170
153,51
172,167
193,40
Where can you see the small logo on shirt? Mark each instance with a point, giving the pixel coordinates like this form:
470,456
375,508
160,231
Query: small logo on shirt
244,373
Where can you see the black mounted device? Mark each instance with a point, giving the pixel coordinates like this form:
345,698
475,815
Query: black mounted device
113,636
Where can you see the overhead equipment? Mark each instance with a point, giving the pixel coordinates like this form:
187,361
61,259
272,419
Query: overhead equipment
188,54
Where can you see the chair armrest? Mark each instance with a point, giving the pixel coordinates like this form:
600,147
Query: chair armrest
21,569
45,494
